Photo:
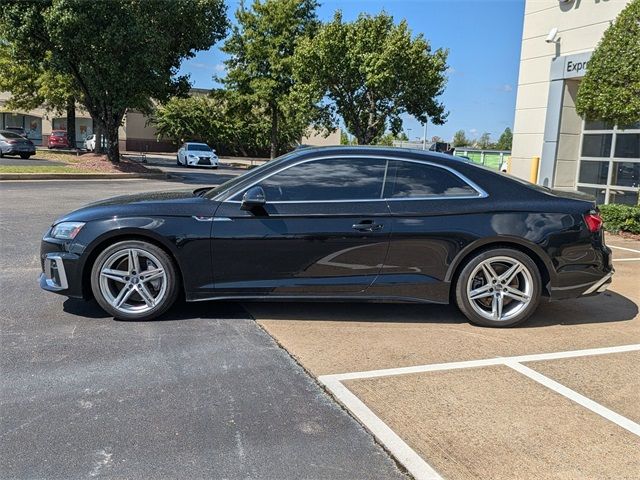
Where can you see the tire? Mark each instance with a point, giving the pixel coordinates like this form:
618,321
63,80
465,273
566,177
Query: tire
502,298
120,289
25,156
178,161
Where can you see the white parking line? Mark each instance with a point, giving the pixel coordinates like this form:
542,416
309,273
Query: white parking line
624,248
415,464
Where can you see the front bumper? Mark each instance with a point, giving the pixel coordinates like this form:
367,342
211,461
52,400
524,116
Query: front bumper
61,271
54,275
211,162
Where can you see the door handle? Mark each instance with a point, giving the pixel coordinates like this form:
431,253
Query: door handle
367,226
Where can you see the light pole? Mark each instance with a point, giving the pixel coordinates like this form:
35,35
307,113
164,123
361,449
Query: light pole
424,136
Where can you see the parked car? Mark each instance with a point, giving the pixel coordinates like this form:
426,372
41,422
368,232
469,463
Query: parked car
13,144
90,142
338,223
193,154
58,139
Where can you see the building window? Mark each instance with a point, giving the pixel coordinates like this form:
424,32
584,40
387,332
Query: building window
610,162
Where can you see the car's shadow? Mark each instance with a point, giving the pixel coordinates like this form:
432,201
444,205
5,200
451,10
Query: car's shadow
180,311
606,308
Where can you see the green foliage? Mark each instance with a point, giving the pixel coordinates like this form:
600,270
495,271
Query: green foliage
621,217
484,142
259,68
505,140
220,120
121,54
610,90
388,139
373,71
460,139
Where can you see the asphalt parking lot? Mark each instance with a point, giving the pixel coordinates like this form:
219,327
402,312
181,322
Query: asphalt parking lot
204,393
212,389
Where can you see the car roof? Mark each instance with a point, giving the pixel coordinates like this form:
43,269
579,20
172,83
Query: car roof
380,151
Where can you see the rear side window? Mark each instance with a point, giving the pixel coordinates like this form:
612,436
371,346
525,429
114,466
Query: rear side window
330,179
417,180
10,135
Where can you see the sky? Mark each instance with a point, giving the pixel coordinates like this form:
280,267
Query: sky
483,38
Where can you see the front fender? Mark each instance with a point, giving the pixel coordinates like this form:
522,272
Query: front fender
184,238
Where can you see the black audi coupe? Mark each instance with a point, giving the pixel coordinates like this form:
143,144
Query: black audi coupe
336,223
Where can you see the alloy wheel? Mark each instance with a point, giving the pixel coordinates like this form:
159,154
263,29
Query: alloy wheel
499,288
133,280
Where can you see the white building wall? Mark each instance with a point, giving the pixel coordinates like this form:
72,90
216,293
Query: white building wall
580,24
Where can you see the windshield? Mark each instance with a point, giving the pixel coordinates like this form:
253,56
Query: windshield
198,147
254,172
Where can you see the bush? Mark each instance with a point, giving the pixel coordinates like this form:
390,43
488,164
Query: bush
621,218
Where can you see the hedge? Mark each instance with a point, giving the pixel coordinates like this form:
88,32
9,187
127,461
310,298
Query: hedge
618,218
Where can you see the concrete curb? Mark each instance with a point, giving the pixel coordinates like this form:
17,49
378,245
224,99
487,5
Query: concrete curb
79,176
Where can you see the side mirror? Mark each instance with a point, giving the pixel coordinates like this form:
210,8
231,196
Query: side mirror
252,198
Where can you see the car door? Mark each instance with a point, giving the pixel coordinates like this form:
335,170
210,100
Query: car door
324,230
428,204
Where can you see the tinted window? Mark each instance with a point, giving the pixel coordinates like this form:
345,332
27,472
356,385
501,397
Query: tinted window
198,147
594,172
410,180
331,179
58,134
596,145
628,145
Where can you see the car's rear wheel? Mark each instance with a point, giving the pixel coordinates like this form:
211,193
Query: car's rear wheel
134,280
499,288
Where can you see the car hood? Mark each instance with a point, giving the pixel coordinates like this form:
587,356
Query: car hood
172,204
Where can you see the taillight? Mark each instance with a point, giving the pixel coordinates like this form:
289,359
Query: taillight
593,221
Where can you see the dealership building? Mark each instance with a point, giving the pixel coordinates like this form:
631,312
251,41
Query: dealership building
603,160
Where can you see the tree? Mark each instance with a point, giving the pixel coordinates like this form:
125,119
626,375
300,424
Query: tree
373,71
460,139
505,140
259,68
610,90
219,119
484,142
121,54
33,84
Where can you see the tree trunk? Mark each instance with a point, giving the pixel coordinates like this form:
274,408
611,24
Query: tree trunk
71,122
113,147
274,130
97,129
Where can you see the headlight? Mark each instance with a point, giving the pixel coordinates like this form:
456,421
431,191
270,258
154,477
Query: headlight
191,155
66,230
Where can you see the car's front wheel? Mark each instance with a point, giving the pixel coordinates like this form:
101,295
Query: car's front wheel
499,288
25,156
134,280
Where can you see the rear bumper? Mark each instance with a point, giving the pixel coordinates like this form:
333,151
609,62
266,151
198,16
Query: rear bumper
578,280
600,286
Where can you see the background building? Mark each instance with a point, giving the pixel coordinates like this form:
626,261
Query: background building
602,160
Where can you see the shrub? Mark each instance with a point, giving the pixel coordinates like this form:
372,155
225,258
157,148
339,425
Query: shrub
621,218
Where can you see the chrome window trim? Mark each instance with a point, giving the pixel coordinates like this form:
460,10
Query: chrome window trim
481,193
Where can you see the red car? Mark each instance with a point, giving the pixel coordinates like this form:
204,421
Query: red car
58,139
